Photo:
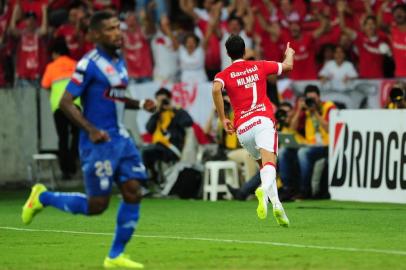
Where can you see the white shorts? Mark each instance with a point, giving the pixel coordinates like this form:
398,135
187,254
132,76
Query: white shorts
258,132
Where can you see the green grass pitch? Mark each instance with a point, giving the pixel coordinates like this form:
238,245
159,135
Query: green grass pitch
181,234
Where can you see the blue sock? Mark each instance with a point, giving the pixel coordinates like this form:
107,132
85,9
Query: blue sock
75,203
127,218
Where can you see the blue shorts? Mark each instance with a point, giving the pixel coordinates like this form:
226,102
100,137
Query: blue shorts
117,160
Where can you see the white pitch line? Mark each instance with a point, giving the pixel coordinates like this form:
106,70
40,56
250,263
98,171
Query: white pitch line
348,249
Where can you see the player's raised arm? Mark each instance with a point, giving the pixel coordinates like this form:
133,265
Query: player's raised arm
287,64
219,104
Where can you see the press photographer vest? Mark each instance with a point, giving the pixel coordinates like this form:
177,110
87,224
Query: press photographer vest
312,130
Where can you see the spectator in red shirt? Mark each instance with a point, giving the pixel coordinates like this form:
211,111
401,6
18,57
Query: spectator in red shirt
30,50
311,19
370,46
72,33
285,13
385,12
303,44
272,48
137,51
398,38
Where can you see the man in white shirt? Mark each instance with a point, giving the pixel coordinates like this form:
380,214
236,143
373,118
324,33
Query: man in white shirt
338,72
164,51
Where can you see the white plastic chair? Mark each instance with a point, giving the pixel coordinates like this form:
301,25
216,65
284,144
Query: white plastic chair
212,187
45,167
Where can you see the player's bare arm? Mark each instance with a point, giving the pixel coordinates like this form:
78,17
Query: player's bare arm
145,104
219,104
287,64
77,117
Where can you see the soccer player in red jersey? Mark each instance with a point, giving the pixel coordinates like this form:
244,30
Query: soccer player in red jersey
254,121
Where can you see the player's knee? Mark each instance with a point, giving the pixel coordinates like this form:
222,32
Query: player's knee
131,192
98,205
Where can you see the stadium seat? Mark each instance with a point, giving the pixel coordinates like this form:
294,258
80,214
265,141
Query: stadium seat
44,168
212,186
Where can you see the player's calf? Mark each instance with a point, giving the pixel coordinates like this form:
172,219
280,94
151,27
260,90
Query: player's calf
127,219
131,191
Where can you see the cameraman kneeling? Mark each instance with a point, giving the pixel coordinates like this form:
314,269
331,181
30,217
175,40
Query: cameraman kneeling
316,118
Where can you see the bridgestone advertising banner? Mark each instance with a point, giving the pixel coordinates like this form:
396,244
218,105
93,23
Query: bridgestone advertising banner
367,155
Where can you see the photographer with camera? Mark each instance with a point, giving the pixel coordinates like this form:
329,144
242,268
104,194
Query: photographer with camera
167,127
397,96
313,115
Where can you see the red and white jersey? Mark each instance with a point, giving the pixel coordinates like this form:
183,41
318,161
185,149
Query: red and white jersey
399,51
73,40
245,84
305,61
28,56
370,57
137,54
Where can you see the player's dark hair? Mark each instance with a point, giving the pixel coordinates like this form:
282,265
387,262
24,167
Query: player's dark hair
97,19
163,91
59,46
311,88
235,47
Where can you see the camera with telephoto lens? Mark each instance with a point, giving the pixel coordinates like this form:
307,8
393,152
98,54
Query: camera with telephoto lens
165,101
310,102
396,94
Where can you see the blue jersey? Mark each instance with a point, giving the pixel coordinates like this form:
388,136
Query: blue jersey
101,83
102,102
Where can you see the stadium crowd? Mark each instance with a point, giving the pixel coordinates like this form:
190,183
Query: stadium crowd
335,42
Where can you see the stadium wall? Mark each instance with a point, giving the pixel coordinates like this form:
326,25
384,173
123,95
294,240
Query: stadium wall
18,133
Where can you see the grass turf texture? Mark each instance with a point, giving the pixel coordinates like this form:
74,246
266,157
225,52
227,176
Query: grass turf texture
321,223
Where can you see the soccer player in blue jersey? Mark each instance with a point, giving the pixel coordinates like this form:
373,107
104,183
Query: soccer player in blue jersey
106,150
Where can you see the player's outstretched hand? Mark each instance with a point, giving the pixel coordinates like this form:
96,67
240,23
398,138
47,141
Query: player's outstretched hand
99,136
228,126
289,50
149,105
